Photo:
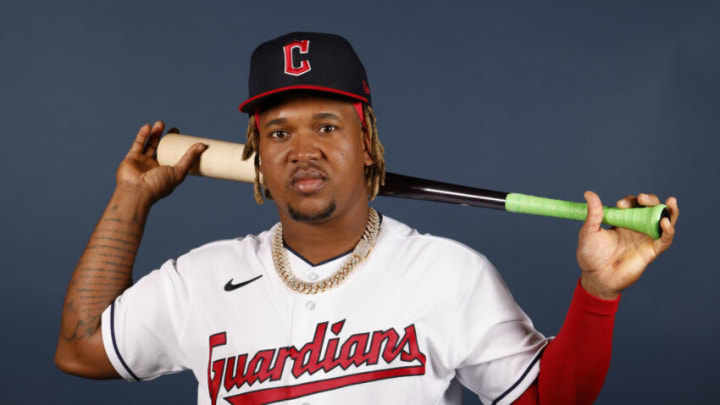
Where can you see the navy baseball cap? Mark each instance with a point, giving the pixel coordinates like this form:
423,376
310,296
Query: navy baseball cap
307,61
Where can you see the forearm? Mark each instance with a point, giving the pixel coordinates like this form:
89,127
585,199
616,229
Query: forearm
574,365
103,272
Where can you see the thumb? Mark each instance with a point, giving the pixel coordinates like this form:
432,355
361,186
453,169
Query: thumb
594,213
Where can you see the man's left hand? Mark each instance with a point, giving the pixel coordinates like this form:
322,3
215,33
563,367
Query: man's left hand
613,259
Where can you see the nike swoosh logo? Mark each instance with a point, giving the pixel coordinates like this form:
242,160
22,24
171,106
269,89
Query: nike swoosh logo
230,286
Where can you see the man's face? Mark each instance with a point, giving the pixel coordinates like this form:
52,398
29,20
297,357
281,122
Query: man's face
313,151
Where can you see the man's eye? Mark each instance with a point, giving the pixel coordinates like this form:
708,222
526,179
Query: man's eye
279,134
327,128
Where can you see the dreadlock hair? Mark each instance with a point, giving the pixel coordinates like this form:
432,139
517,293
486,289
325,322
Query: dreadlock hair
374,174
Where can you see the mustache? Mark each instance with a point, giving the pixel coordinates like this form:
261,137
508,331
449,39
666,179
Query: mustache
308,171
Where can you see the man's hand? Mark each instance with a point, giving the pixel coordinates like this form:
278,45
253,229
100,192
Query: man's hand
140,182
141,172
613,259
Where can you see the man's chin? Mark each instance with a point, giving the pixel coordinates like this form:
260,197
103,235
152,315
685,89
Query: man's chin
312,216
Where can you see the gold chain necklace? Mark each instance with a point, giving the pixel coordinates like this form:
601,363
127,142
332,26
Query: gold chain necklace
362,249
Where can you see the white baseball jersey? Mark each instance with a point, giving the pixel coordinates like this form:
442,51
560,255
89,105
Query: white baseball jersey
420,312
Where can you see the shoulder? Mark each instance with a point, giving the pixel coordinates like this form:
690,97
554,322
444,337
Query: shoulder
410,241
248,242
433,258
442,268
226,254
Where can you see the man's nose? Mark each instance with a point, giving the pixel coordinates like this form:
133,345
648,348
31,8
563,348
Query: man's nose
305,147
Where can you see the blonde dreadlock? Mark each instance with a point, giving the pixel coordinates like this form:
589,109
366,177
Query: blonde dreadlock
374,174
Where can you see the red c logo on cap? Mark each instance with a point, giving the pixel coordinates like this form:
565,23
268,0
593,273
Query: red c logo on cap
303,47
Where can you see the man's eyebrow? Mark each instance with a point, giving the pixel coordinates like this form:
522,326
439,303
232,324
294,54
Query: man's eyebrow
326,115
276,121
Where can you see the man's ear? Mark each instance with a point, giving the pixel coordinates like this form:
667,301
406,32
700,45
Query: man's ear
367,147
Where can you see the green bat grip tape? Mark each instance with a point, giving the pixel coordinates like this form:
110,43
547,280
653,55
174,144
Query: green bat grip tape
644,219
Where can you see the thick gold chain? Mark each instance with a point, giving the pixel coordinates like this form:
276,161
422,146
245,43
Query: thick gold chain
362,249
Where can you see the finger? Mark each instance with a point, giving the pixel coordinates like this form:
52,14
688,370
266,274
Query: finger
627,202
158,127
648,199
182,167
594,213
668,233
674,210
139,142
154,139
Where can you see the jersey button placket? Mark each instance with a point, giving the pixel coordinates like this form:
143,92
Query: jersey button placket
303,330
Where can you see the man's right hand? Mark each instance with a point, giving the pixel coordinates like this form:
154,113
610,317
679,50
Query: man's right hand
140,182
141,172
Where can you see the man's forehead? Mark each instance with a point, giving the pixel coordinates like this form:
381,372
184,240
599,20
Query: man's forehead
303,99
308,104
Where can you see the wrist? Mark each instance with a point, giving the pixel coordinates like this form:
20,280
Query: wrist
132,192
130,203
596,289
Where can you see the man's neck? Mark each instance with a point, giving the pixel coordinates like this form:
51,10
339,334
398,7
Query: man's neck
318,242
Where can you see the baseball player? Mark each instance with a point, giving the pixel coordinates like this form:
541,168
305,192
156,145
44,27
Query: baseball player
336,303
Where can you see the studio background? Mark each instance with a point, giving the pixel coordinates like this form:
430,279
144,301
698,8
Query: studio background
543,98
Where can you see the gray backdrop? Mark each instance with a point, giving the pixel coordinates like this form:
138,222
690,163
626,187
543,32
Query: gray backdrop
548,98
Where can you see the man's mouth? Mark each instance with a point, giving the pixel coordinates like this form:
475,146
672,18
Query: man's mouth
307,181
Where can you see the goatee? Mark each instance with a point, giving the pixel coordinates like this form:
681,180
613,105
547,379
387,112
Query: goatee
312,218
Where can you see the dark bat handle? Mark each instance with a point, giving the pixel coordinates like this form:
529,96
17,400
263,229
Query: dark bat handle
398,185
644,219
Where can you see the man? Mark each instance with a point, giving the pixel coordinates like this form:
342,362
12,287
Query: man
336,303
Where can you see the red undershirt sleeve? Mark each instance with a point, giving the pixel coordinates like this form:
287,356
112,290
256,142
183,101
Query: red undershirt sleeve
574,364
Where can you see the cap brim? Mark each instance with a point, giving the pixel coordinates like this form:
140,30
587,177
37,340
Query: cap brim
248,106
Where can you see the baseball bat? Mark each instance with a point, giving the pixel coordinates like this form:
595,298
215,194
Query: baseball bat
223,160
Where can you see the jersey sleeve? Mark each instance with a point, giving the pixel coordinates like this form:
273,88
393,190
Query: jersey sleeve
143,328
499,347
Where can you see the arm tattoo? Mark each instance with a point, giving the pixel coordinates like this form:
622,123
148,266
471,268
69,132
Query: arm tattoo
105,269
